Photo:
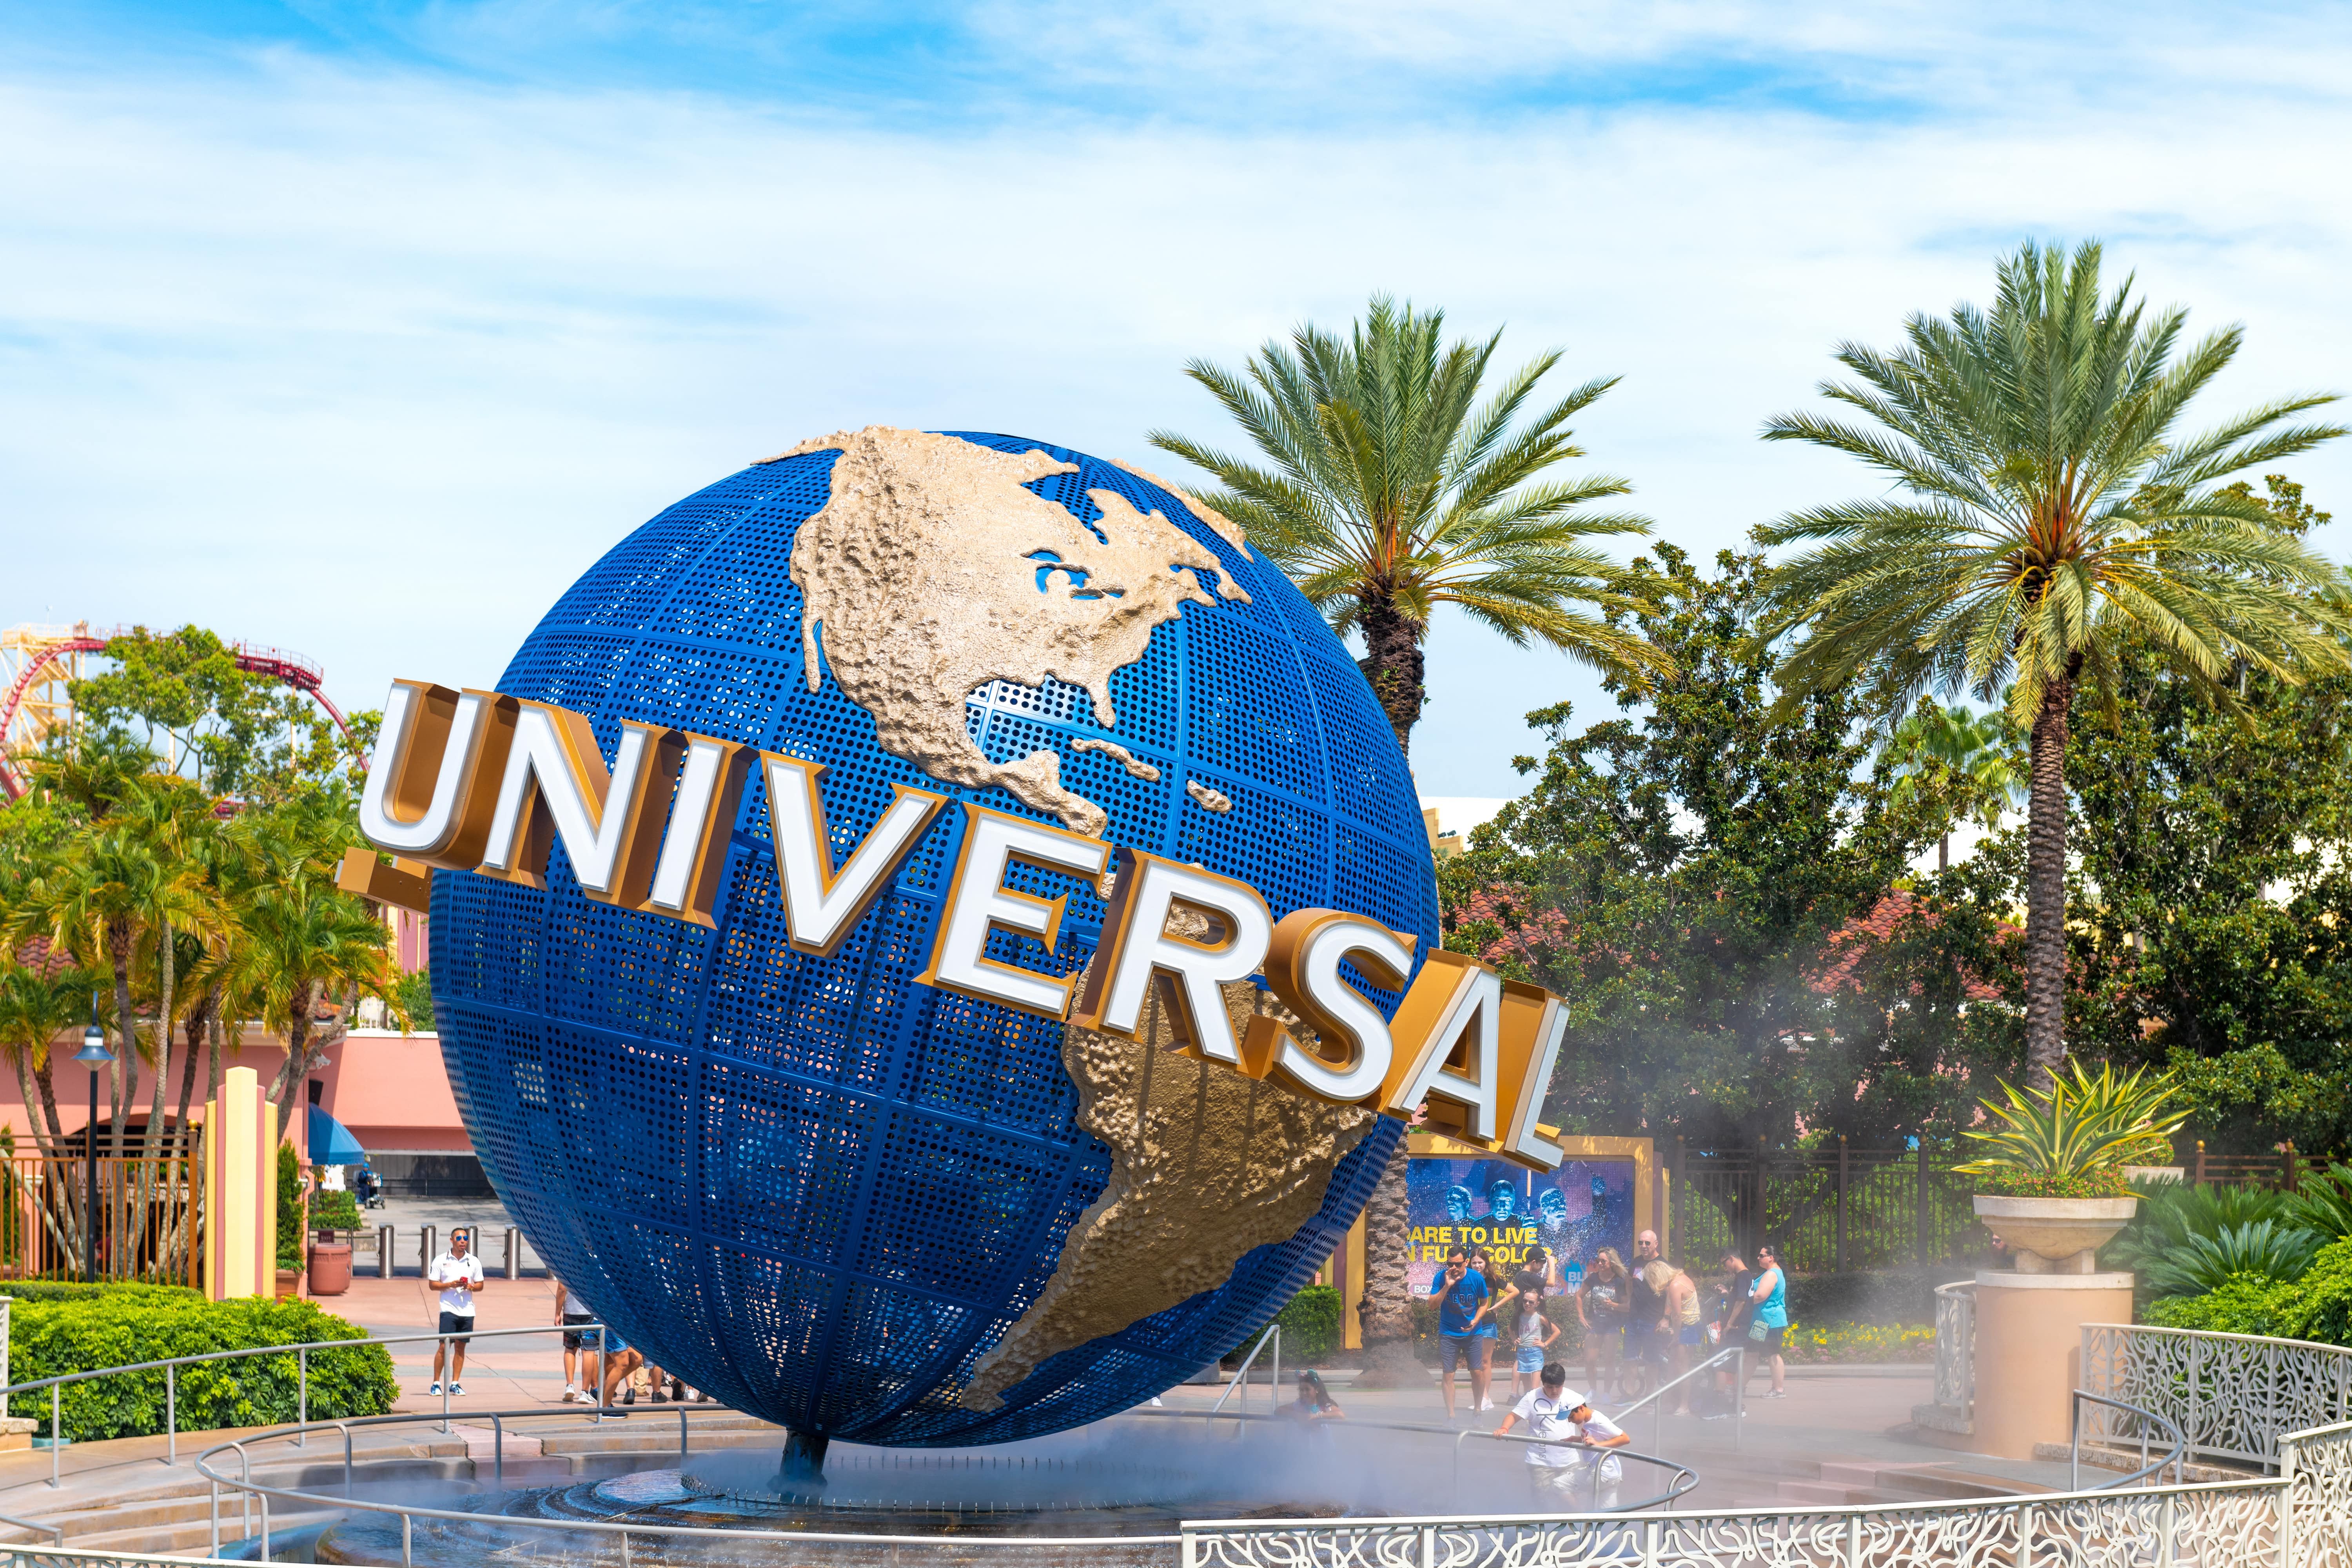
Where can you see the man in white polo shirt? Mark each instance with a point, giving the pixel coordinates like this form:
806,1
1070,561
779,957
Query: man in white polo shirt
459,1274
1564,1481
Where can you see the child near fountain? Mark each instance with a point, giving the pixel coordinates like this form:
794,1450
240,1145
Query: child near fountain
1534,1333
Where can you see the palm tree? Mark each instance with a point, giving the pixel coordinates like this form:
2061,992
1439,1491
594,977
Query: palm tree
1385,489
1971,755
301,944
2045,508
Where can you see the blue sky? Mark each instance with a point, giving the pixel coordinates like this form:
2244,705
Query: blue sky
362,328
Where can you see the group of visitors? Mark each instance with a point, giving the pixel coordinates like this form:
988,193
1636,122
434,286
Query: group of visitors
1643,1326
610,1363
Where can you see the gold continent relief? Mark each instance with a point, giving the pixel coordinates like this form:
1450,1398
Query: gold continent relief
920,579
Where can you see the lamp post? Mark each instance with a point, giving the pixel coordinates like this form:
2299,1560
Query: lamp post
94,1056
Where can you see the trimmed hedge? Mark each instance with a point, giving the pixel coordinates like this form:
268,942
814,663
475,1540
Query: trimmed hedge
70,1290
126,1324
334,1211
1310,1324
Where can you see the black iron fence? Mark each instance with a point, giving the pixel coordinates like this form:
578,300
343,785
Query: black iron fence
1826,1210
1836,1208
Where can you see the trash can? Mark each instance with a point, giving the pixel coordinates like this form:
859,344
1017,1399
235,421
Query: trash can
330,1267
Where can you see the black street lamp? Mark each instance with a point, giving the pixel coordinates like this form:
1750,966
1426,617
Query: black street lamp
94,1056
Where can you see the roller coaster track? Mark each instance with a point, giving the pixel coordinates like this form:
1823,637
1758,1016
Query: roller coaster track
44,651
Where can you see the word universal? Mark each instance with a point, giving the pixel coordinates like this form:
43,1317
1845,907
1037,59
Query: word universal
476,781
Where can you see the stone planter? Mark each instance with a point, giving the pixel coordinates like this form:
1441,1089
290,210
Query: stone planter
331,1267
289,1284
2055,1236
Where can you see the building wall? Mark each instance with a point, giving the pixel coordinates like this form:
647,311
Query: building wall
391,1090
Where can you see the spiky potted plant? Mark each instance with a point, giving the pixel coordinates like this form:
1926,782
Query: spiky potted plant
2051,1177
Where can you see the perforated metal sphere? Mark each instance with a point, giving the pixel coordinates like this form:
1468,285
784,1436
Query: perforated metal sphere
811,1186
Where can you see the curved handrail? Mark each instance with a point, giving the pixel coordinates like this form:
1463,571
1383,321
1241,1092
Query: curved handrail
2074,1441
300,1350
1685,1479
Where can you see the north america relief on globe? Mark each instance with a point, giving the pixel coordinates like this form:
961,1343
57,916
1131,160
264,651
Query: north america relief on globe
829,1194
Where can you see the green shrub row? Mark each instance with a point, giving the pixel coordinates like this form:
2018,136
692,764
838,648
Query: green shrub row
123,1325
2316,1306
72,1290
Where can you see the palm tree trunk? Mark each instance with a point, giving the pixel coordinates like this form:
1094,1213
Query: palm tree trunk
199,1029
1392,663
2046,888
126,1029
1385,1309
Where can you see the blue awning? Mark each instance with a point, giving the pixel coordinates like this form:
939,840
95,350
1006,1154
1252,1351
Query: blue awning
332,1143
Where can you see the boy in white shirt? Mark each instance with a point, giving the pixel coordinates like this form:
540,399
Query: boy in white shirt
458,1274
1564,1481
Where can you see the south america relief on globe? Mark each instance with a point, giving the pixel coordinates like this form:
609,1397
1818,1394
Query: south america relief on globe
858,1205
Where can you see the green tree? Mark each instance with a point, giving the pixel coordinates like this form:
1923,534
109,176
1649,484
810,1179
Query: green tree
1968,761
2211,920
1385,487
2045,506
302,945
1713,888
232,732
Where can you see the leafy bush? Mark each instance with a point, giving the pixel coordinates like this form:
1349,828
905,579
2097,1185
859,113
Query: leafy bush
1310,1323
126,1325
2171,1213
2246,1305
2265,1249
1810,1345
2322,1203
2322,1299
25,1290
334,1211
2069,1140
2102,1184
290,1208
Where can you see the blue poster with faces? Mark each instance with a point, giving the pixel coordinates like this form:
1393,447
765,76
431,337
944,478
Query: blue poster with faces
1517,1214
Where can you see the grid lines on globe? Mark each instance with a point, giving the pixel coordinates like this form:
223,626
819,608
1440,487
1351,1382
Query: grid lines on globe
811,1186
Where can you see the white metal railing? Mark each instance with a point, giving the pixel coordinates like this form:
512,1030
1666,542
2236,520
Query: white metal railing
1956,1348
2233,1397
1655,1399
2301,1519
170,1367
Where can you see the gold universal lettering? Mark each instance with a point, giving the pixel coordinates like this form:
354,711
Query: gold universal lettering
477,781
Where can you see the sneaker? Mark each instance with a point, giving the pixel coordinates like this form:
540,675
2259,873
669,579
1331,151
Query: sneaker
456,1388
629,1396
571,1393
1157,1402
1774,1393
659,1397
431,1392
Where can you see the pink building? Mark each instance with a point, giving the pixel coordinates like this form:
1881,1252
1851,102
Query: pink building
388,1089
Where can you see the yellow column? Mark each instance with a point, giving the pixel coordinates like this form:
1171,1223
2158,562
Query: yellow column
241,1206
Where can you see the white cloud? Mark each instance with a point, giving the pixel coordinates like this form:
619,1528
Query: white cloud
372,364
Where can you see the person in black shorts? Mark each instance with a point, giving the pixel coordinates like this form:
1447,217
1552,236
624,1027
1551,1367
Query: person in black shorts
576,1343
458,1274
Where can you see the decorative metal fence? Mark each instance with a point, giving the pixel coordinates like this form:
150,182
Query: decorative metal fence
1956,1349
2233,1397
149,1218
2225,1525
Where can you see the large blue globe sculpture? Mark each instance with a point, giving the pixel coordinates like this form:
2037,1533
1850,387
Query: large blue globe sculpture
813,1187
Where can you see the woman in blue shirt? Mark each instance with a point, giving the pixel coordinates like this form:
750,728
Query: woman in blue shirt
1771,1320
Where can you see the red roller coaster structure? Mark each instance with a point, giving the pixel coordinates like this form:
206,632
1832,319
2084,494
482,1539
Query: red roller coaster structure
45,650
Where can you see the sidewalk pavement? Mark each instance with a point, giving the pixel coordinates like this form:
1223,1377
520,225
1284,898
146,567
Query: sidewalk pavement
501,1373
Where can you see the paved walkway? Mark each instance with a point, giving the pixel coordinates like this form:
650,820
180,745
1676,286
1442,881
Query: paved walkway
501,1373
